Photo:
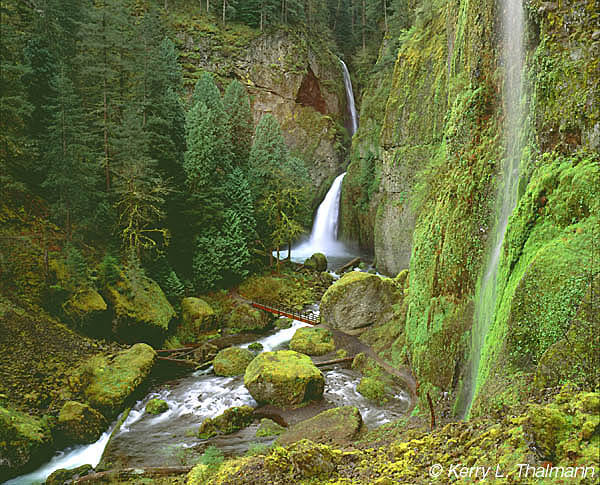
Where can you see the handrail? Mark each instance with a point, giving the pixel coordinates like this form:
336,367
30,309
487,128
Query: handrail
307,317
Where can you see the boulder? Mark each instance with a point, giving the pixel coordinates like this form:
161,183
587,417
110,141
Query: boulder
268,428
141,310
156,406
317,262
312,341
284,378
109,383
62,475
232,420
197,315
25,442
358,300
246,318
283,322
373,389
232,361
256,347
87,310
79,423
308,460
337,425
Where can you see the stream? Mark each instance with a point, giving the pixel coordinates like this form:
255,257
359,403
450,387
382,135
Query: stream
168,439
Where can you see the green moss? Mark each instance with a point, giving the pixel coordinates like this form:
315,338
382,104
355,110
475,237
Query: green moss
268,428
79,423
232,361
232,420
156,406
107,384
373,389
284,378
312,341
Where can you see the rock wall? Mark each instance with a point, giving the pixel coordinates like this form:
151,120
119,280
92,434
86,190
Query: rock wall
421,184
287,73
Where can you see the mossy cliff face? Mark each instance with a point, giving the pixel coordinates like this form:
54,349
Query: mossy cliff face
288,73
424,171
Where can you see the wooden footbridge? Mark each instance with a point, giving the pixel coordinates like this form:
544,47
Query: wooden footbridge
275,309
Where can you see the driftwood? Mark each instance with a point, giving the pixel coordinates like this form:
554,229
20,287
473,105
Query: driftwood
350,264
334,361
180,349
133,473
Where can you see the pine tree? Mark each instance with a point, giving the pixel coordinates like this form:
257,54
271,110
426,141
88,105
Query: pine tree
239,198
239,121
71,177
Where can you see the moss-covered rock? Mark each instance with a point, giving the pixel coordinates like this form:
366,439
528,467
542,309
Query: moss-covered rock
142,312
268,427
255,347
62,475
317,262
337,425
245,318
358,300
232,361
232,420
284,378
312,341
87,310
373,389
156,406
283,323
80,423
109,383
197,315
25,442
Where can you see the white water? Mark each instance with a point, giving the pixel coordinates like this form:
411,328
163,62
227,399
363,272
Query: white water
70,458
324,235
506,200
350,98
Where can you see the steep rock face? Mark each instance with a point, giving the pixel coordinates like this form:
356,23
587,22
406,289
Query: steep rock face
421,185
288,74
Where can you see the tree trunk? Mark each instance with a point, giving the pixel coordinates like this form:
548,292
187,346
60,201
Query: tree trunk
166,5
289,257
224,7
364,24
385,15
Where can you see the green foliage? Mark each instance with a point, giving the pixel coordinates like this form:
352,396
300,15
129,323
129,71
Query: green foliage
76,266
239,121
109,271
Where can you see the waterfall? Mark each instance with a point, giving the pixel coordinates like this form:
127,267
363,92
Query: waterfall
506,200
323,237
350,99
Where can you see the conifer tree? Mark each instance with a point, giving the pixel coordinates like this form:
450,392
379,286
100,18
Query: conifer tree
239,121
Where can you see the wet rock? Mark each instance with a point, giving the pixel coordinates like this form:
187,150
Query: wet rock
87,310
245,318
197,315
79,423
284,378
142,311
317,262
312,341
62,475
358,300
373,389
156,406
232,420
232,361
337,425
255,347
268,427
25,442
108,384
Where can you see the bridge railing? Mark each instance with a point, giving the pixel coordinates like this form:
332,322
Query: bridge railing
277,309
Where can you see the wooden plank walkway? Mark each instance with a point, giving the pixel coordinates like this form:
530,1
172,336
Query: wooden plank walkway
306,317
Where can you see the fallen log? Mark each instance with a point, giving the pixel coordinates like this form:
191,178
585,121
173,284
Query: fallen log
334,361
350,264
180,349
187,362
133,473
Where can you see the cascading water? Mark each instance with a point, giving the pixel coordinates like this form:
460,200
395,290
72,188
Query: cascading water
323,237
485,303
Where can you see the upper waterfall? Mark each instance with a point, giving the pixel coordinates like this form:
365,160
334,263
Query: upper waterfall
350,98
